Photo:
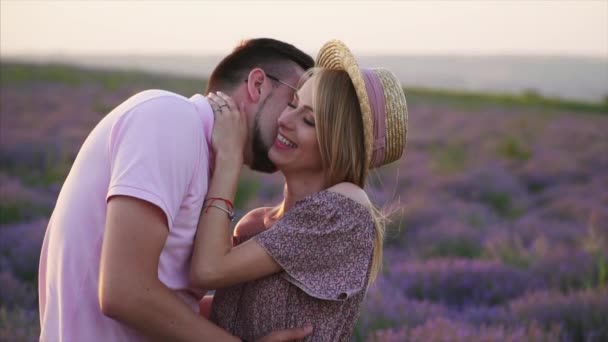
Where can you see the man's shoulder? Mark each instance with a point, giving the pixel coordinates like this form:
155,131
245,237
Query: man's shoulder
161,106
158,96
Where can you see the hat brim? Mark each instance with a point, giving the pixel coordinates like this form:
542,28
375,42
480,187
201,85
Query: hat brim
334,55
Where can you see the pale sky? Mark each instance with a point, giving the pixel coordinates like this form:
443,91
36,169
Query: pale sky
512,27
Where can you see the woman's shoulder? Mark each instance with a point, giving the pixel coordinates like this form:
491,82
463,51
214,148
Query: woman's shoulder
352,192
344,202
252,223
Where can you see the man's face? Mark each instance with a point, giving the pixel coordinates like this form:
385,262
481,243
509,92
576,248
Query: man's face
265,119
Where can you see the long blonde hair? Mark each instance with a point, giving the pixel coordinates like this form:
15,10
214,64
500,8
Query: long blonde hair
339,127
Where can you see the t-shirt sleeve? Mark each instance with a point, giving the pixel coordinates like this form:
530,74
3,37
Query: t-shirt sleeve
154,152
324,245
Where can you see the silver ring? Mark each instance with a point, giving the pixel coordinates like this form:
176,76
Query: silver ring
224,105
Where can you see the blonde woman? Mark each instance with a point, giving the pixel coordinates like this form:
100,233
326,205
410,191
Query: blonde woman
310,259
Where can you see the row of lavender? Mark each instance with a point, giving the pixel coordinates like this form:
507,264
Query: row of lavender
502,231
498,226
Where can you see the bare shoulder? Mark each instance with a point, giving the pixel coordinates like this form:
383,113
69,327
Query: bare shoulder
252,223
351,191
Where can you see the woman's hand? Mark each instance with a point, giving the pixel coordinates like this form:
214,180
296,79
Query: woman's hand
230,127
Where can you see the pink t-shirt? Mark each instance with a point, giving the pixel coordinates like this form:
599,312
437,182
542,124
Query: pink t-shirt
155,146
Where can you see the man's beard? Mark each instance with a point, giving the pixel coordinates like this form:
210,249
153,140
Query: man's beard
260,161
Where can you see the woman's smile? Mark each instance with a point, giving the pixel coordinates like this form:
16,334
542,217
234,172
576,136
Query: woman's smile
281,142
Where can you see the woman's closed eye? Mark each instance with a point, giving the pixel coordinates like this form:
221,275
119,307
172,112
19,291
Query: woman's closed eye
309,122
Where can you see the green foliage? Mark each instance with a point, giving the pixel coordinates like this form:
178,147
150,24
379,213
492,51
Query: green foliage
247,189
458,247
501,203
510,252
20,74
12,211
513,148
477,100
595,243
475,221
449,159
378,323
25,73
602,268
101,108
583,314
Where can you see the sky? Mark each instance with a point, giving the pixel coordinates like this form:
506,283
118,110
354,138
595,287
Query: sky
507,27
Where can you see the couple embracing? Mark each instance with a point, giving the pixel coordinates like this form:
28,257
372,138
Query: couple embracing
142,227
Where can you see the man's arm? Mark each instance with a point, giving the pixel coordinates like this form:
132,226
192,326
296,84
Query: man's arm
129,288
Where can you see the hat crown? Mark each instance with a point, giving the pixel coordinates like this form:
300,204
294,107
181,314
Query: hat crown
381,99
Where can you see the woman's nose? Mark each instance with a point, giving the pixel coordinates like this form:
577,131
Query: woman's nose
286,118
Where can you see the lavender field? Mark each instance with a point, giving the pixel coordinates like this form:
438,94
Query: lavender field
499,207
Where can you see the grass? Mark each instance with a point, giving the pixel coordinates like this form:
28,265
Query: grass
12,211
459,247
479,100
22,73
512,148
502,204
43,167
449,159
12,74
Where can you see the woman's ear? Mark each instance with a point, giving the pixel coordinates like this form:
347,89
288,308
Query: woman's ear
255,81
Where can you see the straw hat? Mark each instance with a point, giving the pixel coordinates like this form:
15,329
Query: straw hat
382,103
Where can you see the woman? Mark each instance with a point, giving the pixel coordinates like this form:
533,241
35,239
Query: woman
311,259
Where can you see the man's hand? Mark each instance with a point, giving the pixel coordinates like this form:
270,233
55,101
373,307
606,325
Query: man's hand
287,334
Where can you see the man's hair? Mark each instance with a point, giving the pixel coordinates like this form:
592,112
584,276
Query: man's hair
273,56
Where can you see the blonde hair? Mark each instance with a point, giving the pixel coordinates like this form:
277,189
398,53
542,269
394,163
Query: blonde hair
339,127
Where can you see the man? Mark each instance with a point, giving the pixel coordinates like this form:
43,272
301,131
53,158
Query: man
115,260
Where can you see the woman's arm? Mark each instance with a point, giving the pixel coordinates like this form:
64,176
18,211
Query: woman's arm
214,262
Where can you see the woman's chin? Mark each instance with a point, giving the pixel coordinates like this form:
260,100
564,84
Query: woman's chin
280,164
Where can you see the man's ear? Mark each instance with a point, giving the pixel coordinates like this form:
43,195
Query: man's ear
255,82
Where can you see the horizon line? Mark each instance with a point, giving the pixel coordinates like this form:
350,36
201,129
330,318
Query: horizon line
218,55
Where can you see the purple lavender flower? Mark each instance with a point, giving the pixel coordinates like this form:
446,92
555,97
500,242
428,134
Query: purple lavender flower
19,325
16,293
461,282
583,315
445,330
385,306
20,246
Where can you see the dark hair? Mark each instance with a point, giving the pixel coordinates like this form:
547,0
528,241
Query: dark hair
273,56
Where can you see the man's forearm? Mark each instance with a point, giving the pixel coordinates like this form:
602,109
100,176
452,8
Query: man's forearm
159,314
129,288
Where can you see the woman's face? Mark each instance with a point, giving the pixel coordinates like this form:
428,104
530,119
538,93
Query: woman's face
296,148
